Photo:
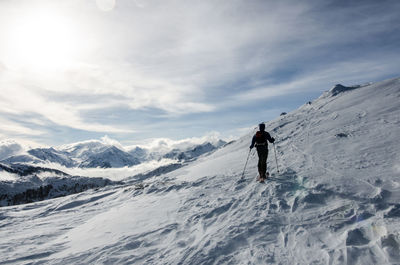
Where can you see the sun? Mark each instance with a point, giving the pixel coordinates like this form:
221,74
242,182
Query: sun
41,40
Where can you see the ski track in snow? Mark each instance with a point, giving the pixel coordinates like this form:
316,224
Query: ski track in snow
336,200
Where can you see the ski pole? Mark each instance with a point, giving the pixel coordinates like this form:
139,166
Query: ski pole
276,159
245,165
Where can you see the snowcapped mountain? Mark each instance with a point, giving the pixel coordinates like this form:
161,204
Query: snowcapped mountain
21,186
83,150
334,201
193,152
52,155
109,157
21,183
178,152
24,158
94,153
83,154
139,153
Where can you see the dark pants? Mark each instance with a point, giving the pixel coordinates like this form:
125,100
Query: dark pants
262,152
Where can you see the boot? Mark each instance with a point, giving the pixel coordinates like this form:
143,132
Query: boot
261,176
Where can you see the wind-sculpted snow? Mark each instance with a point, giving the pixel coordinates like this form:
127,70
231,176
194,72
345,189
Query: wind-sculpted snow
336,200
337,89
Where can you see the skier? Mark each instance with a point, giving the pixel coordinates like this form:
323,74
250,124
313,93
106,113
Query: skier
260,141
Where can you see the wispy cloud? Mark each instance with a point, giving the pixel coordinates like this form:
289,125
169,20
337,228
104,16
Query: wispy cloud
27,95
348,73
180,62
16,129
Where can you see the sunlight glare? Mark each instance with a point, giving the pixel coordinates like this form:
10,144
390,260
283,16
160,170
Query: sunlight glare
41,41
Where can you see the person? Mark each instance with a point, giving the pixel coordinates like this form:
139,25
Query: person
260,141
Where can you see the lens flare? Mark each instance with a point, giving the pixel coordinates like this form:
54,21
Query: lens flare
105,5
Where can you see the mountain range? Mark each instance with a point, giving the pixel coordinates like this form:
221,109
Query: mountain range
94,153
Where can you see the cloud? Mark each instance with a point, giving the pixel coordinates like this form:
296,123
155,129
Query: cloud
108,141
116,174
124,84
17,129
175,60
214,51
349,73
27,95
8,148
167,144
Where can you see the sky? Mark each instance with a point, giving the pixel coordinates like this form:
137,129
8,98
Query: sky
133,70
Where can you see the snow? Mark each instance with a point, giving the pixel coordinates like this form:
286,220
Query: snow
117,174
24,183
336,200
107,153
339,88
6,176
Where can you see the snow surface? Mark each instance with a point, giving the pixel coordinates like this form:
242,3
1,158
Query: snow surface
336,200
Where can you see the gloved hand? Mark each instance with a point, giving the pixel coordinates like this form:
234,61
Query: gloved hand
273,140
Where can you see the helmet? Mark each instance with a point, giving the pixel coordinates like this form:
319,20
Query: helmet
262,126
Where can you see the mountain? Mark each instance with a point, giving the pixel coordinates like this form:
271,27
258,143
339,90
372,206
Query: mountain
94,153
335,199
139,153
193,152
69,155
52,155
83,150
25,158
83,154
25,184
185,152
109,157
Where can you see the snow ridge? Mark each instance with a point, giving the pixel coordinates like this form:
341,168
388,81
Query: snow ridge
337,89
336,200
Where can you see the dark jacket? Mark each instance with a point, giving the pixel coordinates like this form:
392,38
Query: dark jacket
264,137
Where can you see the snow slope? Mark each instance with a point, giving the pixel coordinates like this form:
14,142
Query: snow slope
336,200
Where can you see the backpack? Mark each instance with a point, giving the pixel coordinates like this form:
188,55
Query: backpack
260,138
